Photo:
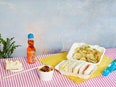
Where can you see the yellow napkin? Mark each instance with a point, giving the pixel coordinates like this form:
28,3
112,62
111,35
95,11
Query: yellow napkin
57,58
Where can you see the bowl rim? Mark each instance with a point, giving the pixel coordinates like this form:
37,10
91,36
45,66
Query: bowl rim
38,69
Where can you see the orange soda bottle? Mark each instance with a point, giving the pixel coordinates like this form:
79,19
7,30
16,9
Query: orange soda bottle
31,51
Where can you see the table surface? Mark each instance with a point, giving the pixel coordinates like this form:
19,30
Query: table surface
31,78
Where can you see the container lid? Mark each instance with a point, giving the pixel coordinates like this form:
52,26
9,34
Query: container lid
30,36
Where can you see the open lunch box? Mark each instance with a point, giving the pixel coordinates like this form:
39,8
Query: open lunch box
82,60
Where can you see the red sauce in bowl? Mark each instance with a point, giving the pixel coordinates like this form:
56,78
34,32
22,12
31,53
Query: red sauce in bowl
46,69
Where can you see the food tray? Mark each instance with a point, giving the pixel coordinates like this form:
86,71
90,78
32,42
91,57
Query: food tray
77,45
80,75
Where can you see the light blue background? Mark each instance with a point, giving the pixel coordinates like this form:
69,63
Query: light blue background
57,24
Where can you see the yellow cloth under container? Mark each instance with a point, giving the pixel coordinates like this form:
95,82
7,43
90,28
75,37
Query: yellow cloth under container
57,58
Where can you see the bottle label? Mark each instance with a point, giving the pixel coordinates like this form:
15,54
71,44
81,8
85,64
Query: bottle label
31,57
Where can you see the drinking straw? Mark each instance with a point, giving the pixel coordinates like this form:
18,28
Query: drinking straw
19,72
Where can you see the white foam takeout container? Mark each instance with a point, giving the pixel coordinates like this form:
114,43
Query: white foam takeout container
84,76
75,45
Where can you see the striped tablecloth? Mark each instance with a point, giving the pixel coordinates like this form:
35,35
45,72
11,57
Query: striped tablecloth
31,78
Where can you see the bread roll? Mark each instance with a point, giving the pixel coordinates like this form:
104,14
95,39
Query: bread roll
77,67
64,65
83,68
89,70
13,65
71,66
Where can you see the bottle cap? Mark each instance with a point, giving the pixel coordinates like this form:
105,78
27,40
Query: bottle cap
30,36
